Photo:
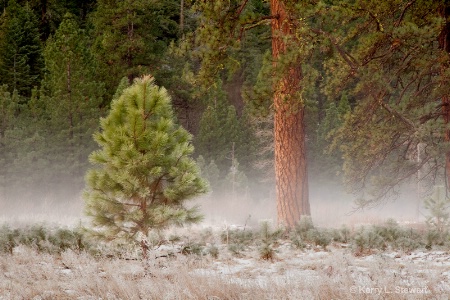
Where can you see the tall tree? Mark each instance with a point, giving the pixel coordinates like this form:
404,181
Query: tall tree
131,37
21,62
224,26
289,129
8,107
145,173
391,62
223,134
72,96
444,45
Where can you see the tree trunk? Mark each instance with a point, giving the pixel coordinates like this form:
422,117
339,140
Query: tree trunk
289,130
182,16
444,44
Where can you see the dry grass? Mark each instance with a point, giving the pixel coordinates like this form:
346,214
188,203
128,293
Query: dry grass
311,274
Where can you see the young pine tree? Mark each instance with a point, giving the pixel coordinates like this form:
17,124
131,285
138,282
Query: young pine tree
145,172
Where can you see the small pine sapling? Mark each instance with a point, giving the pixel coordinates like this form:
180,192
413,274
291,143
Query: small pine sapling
438,207
144,171
268,240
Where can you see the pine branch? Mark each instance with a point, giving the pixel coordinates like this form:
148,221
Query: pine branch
394,112
241,8
349,59
255,23
400,19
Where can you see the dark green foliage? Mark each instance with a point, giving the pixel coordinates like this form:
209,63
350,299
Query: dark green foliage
382,54
132,36
21,62
226,145
71,96
49,137
50,13
145,173
8,108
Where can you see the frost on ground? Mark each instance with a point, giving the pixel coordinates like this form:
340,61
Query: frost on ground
311,273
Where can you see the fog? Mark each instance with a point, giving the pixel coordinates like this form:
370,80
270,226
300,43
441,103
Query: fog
330,207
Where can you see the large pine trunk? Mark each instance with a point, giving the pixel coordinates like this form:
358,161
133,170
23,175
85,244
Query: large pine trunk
289,128
444,44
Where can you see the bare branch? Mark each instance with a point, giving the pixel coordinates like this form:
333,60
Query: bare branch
397,23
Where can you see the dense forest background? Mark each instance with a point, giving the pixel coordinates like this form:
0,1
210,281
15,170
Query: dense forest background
375,86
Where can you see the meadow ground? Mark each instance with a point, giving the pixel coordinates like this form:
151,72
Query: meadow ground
179,270
221,261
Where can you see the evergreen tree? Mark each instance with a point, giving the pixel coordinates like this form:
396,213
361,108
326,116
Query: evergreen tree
71,96
21,62
225,138
391,61
7,116
132,36
145,172
223,27
209,171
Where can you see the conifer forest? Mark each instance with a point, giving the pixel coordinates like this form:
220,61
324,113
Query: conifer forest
274,122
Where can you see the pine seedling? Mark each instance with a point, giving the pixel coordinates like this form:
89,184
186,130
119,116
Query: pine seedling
438,219
303,226
144,171
367,239
268,240
319,237
8,239
438,207
213,250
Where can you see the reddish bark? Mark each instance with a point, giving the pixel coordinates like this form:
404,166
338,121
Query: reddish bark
444,44
289,128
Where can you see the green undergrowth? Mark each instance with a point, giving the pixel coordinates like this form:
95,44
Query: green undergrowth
265,241
43,238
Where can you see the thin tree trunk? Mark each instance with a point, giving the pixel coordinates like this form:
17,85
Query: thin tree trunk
182,16
69,94
289,128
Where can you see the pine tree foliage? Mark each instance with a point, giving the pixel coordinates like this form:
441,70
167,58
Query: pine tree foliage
21,62
7,117
7,111
71,96
226,140
390,61
131,37
144,170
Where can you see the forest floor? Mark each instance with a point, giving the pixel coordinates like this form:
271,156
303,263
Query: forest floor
334,272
